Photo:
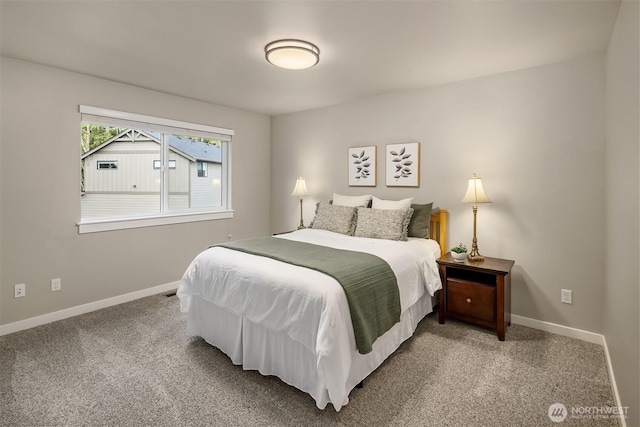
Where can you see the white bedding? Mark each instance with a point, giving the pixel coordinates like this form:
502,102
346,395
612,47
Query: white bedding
306,305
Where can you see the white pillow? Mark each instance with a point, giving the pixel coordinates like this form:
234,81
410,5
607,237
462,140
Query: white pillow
391,204
340,200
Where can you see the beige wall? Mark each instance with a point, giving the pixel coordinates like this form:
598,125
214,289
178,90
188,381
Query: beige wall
536,137
39,173
622,160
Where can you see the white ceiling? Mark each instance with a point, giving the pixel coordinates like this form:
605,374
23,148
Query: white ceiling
214,50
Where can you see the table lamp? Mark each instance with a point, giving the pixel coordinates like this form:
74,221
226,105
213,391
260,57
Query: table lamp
475,194
300,190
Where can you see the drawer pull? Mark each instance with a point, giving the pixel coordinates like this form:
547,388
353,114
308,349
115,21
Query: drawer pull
469,300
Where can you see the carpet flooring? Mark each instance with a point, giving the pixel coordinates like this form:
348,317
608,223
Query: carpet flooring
133,365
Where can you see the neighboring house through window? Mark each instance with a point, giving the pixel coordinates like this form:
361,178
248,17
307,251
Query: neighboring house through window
123,192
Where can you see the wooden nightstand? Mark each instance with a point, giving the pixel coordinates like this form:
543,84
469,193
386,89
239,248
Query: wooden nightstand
476,291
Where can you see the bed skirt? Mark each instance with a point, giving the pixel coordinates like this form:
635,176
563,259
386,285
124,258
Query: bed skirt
256,347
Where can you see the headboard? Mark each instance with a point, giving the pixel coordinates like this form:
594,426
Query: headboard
438,229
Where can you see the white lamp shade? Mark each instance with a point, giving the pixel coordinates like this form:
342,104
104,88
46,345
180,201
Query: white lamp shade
475,193
300,189
292,54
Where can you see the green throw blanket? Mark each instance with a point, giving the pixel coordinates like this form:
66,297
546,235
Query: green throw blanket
369,283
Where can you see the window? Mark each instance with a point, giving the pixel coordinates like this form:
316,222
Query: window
189,180
107,164
158,163
202,170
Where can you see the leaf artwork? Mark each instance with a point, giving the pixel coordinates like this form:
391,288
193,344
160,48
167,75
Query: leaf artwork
362,165
403,165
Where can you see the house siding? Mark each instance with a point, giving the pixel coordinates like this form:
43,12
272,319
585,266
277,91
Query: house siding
206,191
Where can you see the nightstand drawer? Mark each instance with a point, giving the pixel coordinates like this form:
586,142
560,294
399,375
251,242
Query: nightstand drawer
471,299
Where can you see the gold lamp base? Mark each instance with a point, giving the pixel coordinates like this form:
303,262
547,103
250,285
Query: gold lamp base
474,255
301,226
471,257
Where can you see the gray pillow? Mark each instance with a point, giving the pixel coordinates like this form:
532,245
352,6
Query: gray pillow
389,224
339,219
420,220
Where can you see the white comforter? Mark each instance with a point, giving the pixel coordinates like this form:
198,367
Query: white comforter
309,306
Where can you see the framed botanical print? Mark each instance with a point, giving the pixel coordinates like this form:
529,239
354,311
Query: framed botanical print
403,165
363,166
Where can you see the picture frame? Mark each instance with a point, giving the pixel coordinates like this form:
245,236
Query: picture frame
403,165
363,166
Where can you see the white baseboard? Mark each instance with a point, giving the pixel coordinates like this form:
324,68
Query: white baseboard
554,328
612,377
581,335
84,308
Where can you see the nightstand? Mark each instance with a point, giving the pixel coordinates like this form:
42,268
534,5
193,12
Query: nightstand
476,291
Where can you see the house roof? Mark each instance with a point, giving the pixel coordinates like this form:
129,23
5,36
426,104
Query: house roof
192,150
200,151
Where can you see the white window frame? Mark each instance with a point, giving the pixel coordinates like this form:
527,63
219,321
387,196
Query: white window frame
172,164
112,118
204,168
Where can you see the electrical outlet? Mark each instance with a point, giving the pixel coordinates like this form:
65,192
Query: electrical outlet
56,284
20,290
565,296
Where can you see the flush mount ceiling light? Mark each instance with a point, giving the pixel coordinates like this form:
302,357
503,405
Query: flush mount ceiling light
292,54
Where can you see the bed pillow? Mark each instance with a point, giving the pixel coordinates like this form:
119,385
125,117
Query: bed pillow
340,200
391,204
389,224
420,220
339,219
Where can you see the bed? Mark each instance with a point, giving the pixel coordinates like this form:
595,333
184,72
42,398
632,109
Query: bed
294,322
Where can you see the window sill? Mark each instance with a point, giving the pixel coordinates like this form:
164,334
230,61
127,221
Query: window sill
96,226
